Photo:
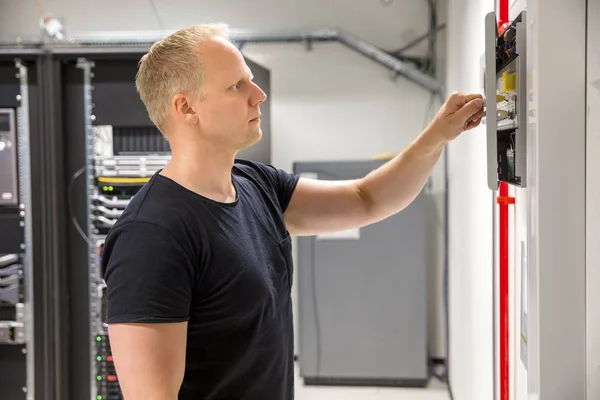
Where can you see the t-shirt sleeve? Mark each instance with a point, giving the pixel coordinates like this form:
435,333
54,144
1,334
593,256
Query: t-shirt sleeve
149,276
284,183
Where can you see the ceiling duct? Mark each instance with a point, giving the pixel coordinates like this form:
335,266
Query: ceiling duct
121,42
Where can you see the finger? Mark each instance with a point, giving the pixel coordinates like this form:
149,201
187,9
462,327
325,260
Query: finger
473,96
478,115
468,111
474,120
473,124
462,99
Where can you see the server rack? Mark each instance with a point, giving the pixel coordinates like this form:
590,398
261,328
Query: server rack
68,100
113,149
34,326
16,274
111,154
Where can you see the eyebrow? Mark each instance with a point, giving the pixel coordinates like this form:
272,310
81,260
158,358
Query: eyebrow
249,74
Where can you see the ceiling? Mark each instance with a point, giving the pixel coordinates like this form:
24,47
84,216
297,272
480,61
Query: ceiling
388,24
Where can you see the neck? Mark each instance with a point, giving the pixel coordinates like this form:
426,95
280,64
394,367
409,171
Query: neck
202,168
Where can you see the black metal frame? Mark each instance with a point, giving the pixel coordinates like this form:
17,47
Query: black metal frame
72,114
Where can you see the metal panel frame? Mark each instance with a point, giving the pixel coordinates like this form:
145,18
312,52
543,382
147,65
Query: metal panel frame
14,150
74,125
521,132
26,209
490,101
87,67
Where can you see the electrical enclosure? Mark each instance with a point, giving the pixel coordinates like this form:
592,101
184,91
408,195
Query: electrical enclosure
505,86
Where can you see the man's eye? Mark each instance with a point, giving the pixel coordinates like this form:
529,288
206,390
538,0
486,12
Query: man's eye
236,86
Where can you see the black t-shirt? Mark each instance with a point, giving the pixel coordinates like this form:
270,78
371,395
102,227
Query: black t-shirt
177,256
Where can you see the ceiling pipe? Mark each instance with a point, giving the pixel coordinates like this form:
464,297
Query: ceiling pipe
100,42
398,66
419,39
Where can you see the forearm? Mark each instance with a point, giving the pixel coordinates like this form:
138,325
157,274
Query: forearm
393,186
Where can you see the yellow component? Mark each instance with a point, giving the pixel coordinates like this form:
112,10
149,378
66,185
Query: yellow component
113,180
509,81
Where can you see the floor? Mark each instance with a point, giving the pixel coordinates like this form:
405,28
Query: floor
435,391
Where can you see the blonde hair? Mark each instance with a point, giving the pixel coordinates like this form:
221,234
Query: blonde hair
172,66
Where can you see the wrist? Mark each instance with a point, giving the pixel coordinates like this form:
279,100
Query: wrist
431,140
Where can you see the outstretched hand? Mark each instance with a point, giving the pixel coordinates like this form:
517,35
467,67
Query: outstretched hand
461,112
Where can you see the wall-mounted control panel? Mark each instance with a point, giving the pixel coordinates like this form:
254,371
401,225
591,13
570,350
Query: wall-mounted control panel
505,87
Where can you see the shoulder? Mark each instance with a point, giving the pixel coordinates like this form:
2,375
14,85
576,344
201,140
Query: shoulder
161,204
159,213
256,170
150,275
264,173
279,183
145,239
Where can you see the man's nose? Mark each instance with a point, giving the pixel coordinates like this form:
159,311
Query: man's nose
258,97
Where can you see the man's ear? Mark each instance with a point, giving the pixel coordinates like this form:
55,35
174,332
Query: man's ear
184,110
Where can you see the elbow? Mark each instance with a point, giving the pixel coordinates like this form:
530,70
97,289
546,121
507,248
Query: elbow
370,210
381,206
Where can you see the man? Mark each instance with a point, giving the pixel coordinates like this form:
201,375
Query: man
199,266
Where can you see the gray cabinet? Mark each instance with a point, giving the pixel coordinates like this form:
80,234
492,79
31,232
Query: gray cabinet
363,296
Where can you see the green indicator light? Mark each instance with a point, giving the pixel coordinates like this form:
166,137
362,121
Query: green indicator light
99,397
105,188
99,358
98,338
99,377
110,188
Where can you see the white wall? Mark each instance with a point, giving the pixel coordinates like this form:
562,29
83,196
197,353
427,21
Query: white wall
556,318
471,215
330,103
593,199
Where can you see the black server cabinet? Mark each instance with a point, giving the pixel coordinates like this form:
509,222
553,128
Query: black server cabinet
111,149
33,327
63,99
15,259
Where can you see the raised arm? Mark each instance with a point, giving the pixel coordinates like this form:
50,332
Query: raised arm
149,359
327,206
150,280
